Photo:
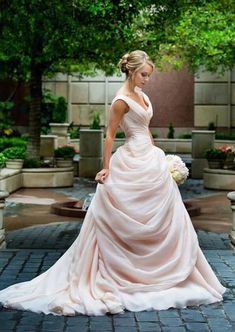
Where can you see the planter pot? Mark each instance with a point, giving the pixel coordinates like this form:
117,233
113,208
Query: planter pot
61,162
91,152
47,177
229,163
216,163
15,163
59,129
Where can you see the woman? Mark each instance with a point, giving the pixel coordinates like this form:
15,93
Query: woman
137,249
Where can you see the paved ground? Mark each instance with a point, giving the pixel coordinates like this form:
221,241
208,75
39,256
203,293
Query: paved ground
33,249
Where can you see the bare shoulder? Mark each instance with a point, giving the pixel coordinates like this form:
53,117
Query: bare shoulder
120,106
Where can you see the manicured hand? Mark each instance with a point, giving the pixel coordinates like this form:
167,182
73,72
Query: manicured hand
102,175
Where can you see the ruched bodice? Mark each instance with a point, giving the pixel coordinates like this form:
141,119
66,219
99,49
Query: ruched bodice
135,123
137,249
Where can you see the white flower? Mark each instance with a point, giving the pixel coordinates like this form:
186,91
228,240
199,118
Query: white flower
177,168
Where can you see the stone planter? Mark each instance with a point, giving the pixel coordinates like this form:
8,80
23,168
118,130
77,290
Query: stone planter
91,152
15,163
47,177
229,163
219,179
202,140
216,163
62,162
59,129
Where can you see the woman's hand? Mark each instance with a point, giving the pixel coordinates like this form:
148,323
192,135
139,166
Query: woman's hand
102,175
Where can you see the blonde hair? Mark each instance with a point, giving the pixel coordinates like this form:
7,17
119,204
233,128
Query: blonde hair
134,61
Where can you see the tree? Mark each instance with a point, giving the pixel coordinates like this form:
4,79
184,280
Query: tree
40,37
195,33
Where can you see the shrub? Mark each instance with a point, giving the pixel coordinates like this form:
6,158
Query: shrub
32,163
155,135
186,136
95,124
2,160
54,109
66,151
5,114
213,154
171,131
211,126
74,133
12,142
120,134
225,136
16,152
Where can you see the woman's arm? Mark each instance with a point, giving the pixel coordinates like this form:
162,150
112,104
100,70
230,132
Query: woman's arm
118,109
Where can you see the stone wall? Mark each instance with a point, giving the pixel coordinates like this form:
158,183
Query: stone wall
171,94
177,97
214,99
85,95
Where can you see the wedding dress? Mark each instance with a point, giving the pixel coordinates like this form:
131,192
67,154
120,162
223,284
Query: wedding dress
137,249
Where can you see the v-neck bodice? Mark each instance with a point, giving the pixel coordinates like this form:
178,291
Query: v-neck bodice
135,122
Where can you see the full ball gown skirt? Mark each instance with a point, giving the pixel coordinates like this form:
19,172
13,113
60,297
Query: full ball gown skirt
137,248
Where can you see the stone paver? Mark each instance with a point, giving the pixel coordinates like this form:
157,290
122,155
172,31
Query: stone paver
33,250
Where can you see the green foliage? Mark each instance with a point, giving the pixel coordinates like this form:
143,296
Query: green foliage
55,36
12,142
54,109
5,114
120,134
171,131
32,163
213,154
155,135
15,152
225,136
74,132
60,110
2,160
95,120
186,136
66,151
211,126
195,33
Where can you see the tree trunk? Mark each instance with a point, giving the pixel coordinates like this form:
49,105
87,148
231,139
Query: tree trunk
35,113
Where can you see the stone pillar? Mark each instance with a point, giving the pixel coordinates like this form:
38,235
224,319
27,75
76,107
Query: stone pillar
202,140
231,197
3,196
91,152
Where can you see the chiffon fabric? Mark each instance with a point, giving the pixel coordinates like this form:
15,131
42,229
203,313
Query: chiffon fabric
137,249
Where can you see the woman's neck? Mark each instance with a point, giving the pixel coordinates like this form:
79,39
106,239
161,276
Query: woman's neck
130,88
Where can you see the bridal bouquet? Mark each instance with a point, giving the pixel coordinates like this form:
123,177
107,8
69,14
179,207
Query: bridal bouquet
177,168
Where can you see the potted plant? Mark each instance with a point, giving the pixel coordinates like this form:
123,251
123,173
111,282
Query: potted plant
215,158
230,156
64,155
15,157
57,107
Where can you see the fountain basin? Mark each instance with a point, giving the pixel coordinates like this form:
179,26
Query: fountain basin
74,209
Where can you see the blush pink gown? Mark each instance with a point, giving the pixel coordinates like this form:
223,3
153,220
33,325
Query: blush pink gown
137,249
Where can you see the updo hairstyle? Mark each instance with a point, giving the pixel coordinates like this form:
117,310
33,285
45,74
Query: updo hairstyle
134,61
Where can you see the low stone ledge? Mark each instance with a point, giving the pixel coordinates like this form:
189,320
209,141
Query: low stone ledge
10,179
219,179
7,172
47,177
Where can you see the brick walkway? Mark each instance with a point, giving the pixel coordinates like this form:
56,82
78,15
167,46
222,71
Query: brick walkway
24,260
